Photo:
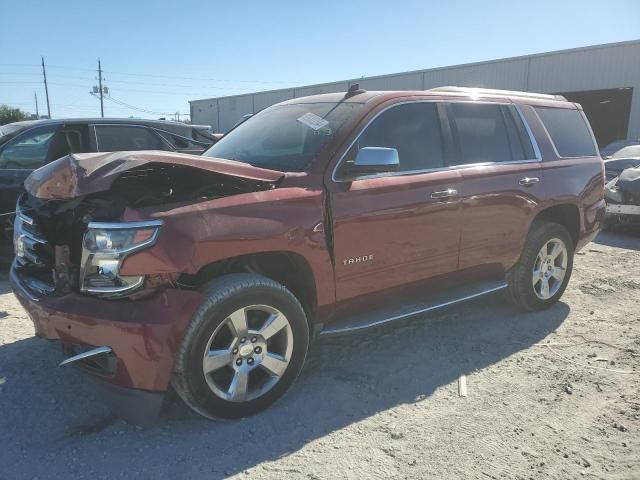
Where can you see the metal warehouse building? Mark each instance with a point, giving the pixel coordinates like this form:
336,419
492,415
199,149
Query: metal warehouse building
605,79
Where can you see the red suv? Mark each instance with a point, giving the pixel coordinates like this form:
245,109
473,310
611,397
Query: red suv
316,216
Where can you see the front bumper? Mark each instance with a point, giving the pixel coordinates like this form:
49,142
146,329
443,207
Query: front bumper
144,334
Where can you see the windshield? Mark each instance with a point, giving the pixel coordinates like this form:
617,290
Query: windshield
284,137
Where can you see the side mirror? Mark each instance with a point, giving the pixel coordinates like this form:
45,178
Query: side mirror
372,160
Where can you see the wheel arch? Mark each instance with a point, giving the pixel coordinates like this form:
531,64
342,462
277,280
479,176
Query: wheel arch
288,268
566,214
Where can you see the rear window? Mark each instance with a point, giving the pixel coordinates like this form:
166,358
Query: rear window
114,138
568,130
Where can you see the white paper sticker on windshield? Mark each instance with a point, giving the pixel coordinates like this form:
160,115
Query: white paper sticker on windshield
313,121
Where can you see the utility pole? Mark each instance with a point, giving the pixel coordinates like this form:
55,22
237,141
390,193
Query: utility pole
100,88
35,95
46,89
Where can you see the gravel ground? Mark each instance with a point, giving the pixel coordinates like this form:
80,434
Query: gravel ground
380,405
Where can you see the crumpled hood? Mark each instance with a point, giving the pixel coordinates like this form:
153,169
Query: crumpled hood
85,173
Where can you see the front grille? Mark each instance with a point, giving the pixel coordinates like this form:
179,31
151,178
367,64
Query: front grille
35,257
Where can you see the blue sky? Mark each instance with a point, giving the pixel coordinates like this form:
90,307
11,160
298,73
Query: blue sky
159,54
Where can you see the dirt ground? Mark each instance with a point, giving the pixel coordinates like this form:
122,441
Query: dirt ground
384,404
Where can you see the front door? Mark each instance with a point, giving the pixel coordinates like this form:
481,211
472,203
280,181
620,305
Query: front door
18,158
402,227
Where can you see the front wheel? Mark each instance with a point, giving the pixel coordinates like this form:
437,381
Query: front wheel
543,271
244,348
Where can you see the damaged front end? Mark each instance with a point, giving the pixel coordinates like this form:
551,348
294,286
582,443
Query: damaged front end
81,215
622,195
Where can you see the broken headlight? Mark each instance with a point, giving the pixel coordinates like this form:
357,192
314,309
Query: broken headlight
105,246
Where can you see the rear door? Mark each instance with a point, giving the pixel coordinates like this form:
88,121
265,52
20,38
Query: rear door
394,229
500,167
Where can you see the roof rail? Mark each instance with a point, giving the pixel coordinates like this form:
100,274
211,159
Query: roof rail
491,91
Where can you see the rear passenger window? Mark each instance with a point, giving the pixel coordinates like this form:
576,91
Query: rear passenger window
489,133
568,130
413,129
112,138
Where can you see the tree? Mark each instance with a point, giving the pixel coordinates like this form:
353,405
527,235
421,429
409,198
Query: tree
8,115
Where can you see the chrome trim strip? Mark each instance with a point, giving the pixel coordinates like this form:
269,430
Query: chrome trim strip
87,354
24,218
125,225
113,290
534,142
336,331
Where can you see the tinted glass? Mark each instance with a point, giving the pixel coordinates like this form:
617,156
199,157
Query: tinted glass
284,137
70,139
521,146
485,133
117,138
413,129
29,150
568,130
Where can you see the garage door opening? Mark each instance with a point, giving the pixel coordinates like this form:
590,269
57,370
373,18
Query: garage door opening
607,110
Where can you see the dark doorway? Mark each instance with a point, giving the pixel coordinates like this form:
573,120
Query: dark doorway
607,110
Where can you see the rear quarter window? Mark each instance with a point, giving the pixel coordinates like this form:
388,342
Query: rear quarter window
568,131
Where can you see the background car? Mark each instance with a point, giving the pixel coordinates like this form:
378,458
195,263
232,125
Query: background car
615,166
26,146
617,149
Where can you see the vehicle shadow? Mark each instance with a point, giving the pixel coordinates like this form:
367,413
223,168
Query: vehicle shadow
628,238
52,423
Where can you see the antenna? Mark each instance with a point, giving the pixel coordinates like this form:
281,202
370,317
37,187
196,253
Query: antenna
354,90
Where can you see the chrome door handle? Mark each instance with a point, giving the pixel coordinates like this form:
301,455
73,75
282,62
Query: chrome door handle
528,181
449,193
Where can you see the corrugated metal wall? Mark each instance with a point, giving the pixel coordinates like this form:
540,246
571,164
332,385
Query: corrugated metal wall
591,68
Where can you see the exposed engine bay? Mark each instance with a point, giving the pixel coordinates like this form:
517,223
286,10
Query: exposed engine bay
49,233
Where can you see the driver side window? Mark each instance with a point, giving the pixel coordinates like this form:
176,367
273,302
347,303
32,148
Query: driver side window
29,150
413,129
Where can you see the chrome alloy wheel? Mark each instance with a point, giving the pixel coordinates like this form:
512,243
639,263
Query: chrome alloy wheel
248,353
550,268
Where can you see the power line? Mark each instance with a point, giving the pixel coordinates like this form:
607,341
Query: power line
138,109
180,77
133,82
203,90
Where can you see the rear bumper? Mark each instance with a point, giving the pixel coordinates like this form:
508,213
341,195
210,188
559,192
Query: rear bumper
592,222
143,334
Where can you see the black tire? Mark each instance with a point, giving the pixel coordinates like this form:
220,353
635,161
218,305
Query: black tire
520,278
224,296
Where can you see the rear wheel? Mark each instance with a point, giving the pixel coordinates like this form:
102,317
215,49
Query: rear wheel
543,271
243,349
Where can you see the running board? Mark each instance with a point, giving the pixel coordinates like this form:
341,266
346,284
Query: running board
440,300
89,353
